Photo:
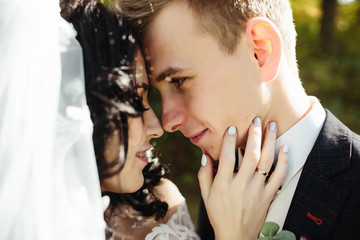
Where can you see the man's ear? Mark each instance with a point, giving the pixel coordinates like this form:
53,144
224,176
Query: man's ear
266,43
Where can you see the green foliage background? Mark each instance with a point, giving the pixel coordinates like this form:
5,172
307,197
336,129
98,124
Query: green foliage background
334,80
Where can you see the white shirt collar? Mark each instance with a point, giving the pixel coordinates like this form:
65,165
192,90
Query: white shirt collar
301,137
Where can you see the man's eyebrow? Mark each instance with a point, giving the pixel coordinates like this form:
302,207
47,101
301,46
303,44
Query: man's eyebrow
168,72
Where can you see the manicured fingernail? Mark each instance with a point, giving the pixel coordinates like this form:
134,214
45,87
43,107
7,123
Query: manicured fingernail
232,131
285,149
257,122
272,126
203,160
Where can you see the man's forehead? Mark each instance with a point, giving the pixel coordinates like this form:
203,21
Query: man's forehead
173,19
167,58
173,42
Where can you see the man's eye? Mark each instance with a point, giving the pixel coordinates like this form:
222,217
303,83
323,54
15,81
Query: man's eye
178,81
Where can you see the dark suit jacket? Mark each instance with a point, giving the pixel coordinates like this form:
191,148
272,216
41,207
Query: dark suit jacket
326,203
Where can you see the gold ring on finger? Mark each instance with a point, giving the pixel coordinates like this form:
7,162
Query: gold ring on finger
262,172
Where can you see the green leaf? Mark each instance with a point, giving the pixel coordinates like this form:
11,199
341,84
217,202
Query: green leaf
266,238
285,235
106,3
270,229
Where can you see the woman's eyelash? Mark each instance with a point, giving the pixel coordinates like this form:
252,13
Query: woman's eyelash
142,85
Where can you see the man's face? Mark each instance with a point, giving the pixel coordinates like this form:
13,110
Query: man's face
203,89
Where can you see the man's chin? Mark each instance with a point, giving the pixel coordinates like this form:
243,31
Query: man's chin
210,151
214,155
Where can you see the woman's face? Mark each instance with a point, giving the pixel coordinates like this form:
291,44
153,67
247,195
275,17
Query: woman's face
141,130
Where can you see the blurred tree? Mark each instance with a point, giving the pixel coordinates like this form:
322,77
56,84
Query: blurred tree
327,32
335,81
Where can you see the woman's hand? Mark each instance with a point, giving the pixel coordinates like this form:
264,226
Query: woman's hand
237,203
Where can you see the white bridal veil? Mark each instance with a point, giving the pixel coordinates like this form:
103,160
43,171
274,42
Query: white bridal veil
49,187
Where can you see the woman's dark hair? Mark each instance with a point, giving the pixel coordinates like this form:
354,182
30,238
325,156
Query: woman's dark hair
109,48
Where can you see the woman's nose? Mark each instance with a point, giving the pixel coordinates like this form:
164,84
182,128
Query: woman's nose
152,124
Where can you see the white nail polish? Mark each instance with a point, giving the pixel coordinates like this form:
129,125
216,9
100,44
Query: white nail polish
203,160
232,131
272,126
286,148
257,122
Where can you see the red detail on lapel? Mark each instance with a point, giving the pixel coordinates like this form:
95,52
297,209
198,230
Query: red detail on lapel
318,221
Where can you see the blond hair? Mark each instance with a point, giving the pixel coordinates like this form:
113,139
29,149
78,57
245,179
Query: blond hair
225,20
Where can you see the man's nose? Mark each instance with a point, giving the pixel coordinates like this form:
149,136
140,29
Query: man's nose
173,114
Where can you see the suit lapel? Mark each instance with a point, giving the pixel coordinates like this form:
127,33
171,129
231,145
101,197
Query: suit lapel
317,201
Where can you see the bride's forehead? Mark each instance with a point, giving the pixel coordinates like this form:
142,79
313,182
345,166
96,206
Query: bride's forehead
140,69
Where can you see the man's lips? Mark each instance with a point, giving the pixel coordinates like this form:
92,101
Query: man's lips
196,138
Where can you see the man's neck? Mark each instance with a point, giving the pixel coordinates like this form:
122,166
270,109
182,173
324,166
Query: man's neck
289,106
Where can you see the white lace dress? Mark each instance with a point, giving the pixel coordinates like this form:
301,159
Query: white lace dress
178,227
